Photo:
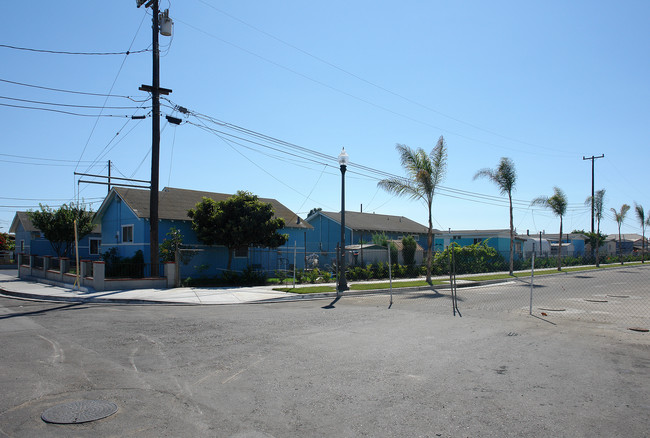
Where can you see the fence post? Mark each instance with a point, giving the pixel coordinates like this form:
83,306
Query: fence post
532,278
99,273
390,276
295,248
170,274
63,267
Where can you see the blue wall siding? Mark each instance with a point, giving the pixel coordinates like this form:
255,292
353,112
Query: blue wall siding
116,216
42,247
579,247
207,262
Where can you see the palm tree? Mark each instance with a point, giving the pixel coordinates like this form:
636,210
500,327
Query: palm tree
504,176
620,217
641,215
557,204
424,172
599,203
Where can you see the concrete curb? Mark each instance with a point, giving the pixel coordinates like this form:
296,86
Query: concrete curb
81,299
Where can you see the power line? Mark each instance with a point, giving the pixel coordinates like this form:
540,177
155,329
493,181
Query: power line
110,90
61,90
46,200
349,73
39,102
59,52
38,158
444,191
62,112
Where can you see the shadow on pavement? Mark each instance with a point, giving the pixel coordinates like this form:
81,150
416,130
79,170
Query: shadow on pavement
72,306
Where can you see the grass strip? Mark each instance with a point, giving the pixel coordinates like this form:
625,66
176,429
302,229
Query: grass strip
420,283
357,286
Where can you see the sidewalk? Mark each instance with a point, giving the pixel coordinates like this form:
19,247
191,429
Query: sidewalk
12,286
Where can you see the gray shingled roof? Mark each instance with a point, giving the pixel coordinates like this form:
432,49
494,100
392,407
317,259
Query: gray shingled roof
173,204
378,222
23,218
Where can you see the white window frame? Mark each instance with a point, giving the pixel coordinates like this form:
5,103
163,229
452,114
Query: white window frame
126,227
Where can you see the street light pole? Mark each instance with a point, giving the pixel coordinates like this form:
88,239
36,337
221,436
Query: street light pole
592,158
342,283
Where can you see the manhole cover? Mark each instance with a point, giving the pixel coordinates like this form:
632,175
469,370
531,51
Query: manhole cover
80,411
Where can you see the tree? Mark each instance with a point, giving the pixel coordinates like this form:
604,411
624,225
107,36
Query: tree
167,249
557,204
381,239
239,221
424,174
58,225
4,242
314,211
598,239
409,246
640,214
620,217
505,177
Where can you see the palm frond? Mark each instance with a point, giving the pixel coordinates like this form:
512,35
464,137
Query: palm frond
399,187
640,214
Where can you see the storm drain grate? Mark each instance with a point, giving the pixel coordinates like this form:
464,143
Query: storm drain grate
81,411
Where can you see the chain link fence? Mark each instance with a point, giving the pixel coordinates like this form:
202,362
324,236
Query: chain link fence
614,295
465,280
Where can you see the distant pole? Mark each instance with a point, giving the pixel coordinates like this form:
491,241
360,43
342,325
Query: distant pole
343,162
592,158
109,176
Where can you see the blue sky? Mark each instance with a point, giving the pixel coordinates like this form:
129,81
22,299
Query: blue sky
543,83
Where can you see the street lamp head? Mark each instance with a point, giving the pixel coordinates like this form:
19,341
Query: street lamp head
344,158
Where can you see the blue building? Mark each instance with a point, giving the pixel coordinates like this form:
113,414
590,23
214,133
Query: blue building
572,244
497,239
30,240
124,217
360,227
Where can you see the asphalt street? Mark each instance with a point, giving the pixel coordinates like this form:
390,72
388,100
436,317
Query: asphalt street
297,369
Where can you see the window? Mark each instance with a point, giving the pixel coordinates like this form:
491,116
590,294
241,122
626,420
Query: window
477,240
456,237
242,251
94,246
127,233
22,246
